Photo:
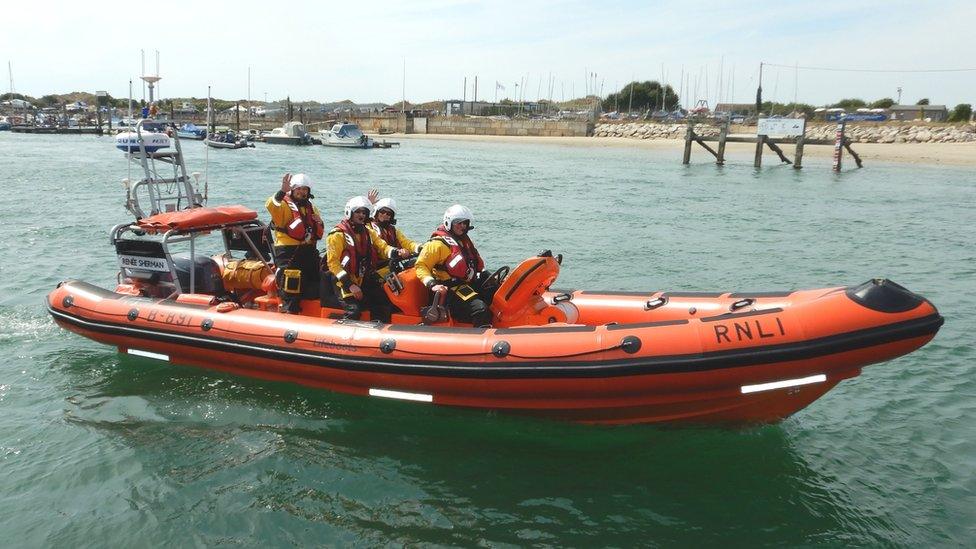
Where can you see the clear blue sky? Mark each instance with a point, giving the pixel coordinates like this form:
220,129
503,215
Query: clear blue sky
328,51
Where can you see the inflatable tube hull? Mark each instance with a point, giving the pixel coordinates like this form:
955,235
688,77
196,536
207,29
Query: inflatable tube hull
754,366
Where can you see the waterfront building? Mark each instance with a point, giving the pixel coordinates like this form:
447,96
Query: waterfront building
933,113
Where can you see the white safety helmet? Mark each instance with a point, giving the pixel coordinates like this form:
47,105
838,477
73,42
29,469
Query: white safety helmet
357,203
457,212
387,203
301,180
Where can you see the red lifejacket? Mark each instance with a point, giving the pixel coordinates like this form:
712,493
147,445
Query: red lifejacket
387,233
359,256
302,226
464,261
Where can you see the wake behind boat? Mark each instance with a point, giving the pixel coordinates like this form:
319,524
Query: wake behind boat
598,357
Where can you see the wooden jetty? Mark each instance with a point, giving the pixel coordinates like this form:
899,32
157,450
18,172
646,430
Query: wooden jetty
841,142
77,130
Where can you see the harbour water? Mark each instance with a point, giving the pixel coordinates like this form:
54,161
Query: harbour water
108,450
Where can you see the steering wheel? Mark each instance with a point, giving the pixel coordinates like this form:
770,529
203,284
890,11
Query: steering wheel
495,279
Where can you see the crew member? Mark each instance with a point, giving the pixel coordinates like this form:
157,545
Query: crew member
352,255
384,224
450,263
297,229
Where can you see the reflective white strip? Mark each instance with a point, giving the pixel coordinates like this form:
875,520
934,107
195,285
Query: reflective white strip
419,397
819,378
344,261
342,274
294,223
455,261
147,354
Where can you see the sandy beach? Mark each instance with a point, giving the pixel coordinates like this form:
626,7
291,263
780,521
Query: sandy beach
950,154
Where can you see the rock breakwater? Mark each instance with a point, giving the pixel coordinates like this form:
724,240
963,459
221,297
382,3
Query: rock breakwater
881,133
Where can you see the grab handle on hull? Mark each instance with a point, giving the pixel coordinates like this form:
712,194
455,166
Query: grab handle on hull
561,297
655,303
741,303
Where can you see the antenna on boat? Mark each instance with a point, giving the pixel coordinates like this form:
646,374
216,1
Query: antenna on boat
206,153
248,100
129,123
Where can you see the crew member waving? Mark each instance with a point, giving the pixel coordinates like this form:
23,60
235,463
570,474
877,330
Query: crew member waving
384,224
297,229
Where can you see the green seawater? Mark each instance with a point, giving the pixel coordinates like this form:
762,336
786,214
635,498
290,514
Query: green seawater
98,449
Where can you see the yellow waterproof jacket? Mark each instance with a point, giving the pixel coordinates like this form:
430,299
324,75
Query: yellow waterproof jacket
335,245
433,254
281,216
400,240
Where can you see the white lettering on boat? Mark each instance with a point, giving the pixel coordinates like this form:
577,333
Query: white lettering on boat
385,393
147,354
144,263
819,378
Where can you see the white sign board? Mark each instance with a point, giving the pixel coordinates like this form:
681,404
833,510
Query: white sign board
781,127
144,263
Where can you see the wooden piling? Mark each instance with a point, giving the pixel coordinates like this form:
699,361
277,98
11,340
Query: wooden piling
839,146
723,134
689,136
760,142
798,154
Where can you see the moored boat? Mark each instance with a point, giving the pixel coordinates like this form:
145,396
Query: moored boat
191,131
292,133
227,140
346,135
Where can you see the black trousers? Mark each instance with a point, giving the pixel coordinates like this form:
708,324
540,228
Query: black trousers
374,300
305,258
474,310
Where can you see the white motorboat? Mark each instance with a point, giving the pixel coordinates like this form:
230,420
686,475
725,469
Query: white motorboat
292,133
346,135
146,136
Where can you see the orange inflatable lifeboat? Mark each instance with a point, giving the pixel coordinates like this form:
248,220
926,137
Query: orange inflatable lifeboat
600,357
